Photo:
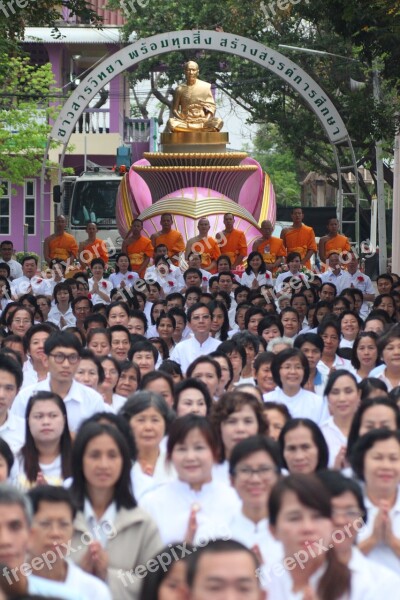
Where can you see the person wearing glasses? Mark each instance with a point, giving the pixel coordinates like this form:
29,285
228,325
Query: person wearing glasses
62,350
254,468
199,318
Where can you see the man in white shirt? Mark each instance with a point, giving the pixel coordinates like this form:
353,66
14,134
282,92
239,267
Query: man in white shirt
53,526
6,252
29,282
62,350
12,428
362,282
226,566
336,274
184,353
15,520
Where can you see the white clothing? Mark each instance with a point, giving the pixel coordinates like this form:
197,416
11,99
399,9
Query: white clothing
339,363
334,438
105,286
81,402
376,371
382,377
366,583
54,589
13,432
99,527
304,404
279,281
55,317
381,553
346,343
52,473
39,285
262,278
363,283
129,278
78,579
220,472
187,351
15,268
170,507
252,534
341,280
163,473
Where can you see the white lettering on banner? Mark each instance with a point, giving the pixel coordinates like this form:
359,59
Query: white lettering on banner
217,41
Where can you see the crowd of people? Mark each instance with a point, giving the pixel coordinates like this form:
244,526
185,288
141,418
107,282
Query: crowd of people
207,421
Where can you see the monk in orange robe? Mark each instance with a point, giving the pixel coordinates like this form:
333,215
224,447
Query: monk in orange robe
60,245
300,238
271,248
204,245
138,248
92,248
333,242
232,241
170,238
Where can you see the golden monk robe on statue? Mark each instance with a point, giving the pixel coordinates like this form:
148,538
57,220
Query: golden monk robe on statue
193,107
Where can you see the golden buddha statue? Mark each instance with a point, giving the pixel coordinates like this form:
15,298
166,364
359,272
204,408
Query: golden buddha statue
193,107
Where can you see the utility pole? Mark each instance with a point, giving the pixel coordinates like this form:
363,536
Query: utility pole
380,183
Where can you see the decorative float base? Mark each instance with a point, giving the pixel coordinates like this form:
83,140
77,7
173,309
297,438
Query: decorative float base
194,141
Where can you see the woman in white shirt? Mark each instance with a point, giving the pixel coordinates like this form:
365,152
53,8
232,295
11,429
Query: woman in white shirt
99,288
193,508
236,416
149,418
123,276
90,371
365,354
290,370
256,273
350,326
254,468
343,400
375,460
112,372
61,313
34,368
46,455
303,447
300,516
389,353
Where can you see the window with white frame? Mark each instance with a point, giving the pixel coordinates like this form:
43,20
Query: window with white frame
30,206
4,207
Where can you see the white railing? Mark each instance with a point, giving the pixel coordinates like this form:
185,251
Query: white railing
94,120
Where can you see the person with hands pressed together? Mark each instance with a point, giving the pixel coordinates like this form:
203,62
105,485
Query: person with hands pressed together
232,241
299,237
99,288
138,247
123,535
204,245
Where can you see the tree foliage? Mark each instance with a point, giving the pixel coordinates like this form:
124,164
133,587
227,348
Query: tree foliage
24,117
368,32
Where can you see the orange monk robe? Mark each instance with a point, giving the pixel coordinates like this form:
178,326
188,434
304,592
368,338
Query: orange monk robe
137,251
338,243
208,250
234,244
173,240
271,250
96,249
301,240
62,246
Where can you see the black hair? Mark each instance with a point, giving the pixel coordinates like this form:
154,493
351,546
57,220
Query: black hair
144,346
365,443
195,307
230,346
255,443
337,485
95,318
362,335
254,310
317,437
171,367
61,339
123,495
354,432
370,384
154,578
223,332
118,304
87,354
204,360
182,426
282,357
269,321
334,376
11,366
7,454
263,266
309,338
143,400
245,338
154,376
192,383
139,314
52,494
119,423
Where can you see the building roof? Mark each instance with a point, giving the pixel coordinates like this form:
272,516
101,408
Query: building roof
75,35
